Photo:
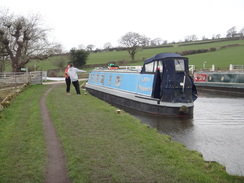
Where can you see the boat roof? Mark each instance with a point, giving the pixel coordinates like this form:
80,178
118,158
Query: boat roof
162,56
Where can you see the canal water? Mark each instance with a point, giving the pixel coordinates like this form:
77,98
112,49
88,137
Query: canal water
216,129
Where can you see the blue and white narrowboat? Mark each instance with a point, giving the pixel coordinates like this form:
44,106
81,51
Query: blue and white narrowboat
161,86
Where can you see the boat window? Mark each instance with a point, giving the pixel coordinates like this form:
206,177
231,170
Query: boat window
160,66
155,66
102,79
110,80
118,80
149,67
97,78
92,78
179,65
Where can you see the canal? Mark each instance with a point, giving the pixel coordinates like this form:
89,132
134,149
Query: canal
216,129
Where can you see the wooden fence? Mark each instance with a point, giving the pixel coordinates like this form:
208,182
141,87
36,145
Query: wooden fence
16,78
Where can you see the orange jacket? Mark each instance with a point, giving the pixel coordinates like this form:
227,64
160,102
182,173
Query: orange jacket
66,73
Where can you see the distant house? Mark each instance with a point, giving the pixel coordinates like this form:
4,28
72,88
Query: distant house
237,35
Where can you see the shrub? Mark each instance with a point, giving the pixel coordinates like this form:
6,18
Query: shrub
202,50
229,45
191,52
78,57
212,49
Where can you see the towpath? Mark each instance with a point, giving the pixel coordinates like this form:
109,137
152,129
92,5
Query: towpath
56,169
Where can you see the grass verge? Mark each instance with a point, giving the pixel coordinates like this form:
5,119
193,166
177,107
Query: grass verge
22,148
102,146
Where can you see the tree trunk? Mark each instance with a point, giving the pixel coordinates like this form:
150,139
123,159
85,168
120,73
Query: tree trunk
2,65
16,65
132,52
133,56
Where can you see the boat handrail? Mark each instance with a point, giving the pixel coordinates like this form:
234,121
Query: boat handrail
236,67
120,68
147,98
131,67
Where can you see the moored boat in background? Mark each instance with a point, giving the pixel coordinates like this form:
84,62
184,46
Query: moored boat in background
162,86
227,82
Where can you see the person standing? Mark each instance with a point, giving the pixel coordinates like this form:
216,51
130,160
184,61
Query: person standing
67,80
72,72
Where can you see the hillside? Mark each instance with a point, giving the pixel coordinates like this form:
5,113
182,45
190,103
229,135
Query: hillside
221,57
232,53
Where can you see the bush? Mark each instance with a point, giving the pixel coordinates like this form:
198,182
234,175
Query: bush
212,49
78,57
191,52
230,45
202,50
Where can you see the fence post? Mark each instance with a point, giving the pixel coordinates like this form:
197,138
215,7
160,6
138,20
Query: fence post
41,78
27,75
15,81
231,67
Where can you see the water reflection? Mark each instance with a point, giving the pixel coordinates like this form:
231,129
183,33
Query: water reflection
164,124
216,130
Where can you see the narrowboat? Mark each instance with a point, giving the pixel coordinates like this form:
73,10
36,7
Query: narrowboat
227,82
162,86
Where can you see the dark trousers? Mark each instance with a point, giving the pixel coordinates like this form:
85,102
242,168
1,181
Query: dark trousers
77,86
68,82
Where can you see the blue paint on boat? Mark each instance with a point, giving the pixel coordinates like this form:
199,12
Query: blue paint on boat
130,82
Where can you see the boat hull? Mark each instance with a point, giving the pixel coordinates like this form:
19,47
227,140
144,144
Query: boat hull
140,104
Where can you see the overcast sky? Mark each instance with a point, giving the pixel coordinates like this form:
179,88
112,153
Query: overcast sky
76,22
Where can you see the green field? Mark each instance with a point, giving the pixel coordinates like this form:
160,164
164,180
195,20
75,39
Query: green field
220,58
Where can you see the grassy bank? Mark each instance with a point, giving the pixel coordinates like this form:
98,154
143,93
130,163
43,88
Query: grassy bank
22,148
100,145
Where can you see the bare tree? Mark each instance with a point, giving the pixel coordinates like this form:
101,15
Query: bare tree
81,47
145,41
218,36
3,57
107,46
157,41
24,40
90,47
165,42
191,38
204,38
132,41
231,32
242,31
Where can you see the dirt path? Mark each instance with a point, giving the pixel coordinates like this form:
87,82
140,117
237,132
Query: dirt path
56,170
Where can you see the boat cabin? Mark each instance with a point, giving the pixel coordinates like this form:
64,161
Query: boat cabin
172,82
